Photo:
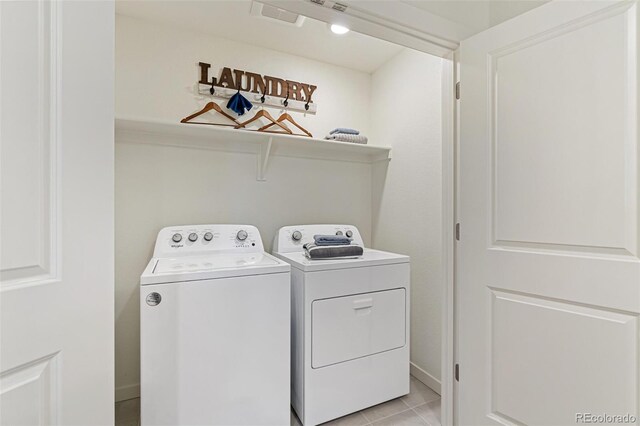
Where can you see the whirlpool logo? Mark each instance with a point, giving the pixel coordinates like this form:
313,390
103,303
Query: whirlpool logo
154,299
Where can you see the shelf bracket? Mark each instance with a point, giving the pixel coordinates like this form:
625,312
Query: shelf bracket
263,159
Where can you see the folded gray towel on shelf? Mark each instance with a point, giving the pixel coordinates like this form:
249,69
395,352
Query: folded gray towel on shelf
313,251
343,137
331,240
345,130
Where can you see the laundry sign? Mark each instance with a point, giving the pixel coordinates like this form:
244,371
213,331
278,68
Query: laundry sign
258,83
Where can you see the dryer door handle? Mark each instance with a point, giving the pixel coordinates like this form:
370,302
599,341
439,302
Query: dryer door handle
363,303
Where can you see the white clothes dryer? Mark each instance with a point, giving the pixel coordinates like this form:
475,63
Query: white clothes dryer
350,326
214,329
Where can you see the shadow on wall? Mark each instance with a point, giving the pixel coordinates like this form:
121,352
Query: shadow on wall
407,192
379,172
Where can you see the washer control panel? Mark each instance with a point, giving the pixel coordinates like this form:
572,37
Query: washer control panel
201,239
292,238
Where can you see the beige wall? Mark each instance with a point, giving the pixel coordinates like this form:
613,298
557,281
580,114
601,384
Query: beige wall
477,15
157,68
161,186
157,186
407,196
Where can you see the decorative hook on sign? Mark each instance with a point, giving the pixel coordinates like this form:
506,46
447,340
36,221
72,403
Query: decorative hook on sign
213,84
286,100
306,105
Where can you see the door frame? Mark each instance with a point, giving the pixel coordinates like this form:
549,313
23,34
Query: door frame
450,123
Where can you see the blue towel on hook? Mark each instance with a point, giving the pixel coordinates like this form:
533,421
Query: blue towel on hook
345,131
331,240
239,104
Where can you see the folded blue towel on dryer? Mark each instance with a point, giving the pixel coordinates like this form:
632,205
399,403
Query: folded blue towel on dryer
344,251
331,240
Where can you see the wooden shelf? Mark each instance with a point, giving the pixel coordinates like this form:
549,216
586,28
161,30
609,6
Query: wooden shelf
264,145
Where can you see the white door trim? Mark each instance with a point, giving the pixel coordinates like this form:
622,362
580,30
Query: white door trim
449,137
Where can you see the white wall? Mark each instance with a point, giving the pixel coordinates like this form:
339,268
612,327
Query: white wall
500,11
159,186
407,196
157,69
475,15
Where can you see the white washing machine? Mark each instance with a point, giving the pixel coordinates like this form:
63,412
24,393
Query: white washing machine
215,329
350,326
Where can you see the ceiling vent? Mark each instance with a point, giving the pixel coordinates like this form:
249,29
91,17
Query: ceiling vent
272,12
340,7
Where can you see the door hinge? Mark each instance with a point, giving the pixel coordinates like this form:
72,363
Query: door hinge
458,90
457,232
456,372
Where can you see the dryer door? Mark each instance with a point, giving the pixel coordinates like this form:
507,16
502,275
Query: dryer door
350,327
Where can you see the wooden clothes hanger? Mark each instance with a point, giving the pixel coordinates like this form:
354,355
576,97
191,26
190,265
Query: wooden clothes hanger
286,117
208,107
264,113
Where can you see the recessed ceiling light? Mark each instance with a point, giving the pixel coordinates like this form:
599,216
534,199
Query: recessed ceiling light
339,29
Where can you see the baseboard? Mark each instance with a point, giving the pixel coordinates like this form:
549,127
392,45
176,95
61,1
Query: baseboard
425,378
133,391
127,392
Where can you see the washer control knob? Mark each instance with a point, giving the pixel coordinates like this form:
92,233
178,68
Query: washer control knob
176,238
296,236
193,237
338,232
208,236
349,233
242,235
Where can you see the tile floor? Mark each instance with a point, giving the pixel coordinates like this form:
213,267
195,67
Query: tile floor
421,407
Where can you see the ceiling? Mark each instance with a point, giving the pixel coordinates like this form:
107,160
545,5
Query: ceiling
476,15
232,19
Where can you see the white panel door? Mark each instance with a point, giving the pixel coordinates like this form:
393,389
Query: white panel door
56,213
548,278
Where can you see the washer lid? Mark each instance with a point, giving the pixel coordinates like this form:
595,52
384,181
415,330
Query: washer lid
212,266
370,257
